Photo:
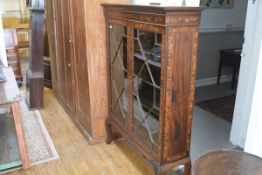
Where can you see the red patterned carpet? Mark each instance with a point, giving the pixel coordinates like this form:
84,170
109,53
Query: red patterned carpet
221,107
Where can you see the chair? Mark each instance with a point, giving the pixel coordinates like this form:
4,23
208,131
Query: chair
13,58
231,58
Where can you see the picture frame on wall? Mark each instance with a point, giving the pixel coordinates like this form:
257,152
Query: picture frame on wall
217,3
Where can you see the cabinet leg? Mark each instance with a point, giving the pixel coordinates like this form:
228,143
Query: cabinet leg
187,170
164,169
109,131
20,134
160,171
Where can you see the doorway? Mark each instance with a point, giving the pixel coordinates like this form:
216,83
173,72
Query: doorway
221,29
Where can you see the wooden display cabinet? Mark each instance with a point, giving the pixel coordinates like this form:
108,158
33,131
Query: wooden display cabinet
152,54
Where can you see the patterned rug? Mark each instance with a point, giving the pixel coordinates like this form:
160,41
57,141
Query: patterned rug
221,107
40,147
39,144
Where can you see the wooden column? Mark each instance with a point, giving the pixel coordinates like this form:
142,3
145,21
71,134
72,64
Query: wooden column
35,74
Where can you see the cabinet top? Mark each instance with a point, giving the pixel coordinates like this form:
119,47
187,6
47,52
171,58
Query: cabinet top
152,8
155,15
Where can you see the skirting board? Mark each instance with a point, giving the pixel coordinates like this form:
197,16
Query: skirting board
213,80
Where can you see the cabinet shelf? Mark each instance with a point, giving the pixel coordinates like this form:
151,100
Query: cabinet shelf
149,61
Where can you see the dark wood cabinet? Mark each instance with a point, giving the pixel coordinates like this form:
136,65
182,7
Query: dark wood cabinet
35,72
65,57
152,54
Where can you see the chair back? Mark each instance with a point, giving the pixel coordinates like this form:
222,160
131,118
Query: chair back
10,38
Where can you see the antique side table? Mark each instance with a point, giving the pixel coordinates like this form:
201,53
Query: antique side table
10,98
227,162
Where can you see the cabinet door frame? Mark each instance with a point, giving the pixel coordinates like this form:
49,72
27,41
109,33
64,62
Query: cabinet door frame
67,59
124,24
150,154
59,50
155,29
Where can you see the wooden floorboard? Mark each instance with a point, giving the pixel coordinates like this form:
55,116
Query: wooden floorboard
77,157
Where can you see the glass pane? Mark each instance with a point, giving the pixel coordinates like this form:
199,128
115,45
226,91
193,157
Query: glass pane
118,61
146,95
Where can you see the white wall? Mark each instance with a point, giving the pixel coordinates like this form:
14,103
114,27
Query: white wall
253,141
6,5
247,76
169,2
253,138
216,19
9,5
2,43
209,48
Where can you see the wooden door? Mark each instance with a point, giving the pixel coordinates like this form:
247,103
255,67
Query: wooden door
64,55
80,63
68,57
61,66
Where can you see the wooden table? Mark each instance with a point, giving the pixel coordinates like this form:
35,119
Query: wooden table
228,162
10,98
232,58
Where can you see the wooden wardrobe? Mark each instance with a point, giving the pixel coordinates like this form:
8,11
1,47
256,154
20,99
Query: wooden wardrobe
80,73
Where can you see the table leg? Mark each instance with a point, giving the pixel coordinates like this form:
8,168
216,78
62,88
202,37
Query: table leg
219,71
20,134
233,77
187,170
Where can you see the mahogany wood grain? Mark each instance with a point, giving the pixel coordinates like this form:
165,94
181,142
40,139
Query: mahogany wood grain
179,29
35,73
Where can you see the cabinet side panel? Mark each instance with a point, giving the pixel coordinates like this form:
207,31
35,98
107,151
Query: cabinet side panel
97,64
68,57
80,64
182,45
60,51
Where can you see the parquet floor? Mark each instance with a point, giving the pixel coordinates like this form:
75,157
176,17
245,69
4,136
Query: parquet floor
77,157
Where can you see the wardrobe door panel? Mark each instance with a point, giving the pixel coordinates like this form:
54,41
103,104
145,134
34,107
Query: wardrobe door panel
61,65
80,63
68,57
